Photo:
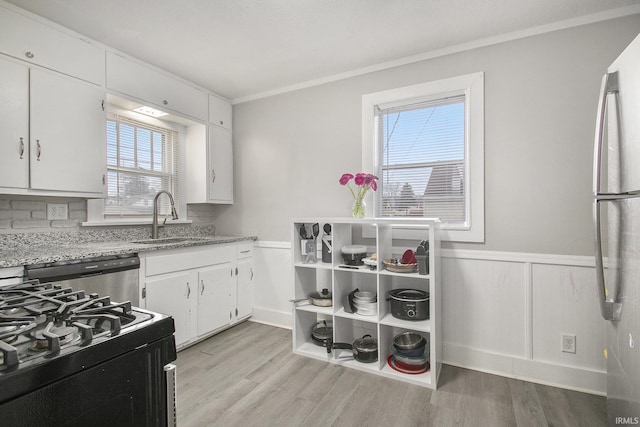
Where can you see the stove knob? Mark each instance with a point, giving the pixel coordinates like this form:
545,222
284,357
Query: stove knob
411,313
94,295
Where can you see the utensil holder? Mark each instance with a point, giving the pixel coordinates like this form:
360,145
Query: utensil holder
423,264
308,251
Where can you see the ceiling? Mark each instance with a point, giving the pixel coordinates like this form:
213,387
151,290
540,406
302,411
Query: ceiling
248,48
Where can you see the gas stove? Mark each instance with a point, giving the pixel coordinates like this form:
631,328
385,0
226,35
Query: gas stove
52,335
41,321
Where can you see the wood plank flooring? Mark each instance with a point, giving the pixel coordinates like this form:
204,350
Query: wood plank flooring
248,376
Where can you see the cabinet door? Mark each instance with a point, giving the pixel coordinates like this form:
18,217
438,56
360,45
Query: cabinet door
143,82
215,298
29,40
220,112
174,294
244,290
14,125
220,157
68,147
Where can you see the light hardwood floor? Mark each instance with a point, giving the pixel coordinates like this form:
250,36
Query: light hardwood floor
248,376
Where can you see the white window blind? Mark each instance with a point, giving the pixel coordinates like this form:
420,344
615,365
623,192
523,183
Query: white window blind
422,159
142,159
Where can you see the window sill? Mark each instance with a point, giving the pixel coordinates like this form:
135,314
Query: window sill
132,221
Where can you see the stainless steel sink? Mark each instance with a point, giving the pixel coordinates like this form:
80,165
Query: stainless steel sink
166,240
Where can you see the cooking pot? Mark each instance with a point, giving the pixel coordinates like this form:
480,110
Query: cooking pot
364,349
409,344
409,304
321,299
353,254
322,333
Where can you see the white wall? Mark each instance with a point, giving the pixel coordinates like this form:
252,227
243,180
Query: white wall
540,99
505,301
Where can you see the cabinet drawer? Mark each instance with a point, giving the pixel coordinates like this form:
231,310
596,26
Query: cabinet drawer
244,250
186,258
149,85
32,41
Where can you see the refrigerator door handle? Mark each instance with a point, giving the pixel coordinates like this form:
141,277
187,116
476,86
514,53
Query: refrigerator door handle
609,309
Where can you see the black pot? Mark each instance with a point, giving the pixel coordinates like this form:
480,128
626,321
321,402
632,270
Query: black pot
364,349
322,334
409,304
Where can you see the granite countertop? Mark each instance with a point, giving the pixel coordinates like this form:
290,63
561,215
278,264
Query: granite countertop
42,248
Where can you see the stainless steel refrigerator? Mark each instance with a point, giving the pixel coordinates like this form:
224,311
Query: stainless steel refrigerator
618,131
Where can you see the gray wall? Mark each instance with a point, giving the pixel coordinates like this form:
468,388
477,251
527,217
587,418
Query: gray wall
540,102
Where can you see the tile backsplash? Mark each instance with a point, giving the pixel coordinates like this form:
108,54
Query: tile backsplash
22,214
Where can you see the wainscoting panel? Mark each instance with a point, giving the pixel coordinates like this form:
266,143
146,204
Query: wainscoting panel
503,312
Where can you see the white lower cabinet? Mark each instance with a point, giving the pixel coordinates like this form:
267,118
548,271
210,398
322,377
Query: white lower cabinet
173,294
377,235
205,289
215,297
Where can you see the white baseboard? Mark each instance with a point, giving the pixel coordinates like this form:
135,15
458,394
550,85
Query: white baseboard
567,377
272,317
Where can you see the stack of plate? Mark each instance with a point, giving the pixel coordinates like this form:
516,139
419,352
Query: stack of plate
365,303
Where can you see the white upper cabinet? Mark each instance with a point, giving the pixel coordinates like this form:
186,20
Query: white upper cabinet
52,130
220,157
67,134
209,165
14,125
220,112
32,41
151,86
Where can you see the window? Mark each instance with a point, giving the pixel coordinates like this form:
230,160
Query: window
141,160
426,143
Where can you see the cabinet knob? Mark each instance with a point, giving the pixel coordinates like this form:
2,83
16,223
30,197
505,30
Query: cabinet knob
28,55
221,122
165,102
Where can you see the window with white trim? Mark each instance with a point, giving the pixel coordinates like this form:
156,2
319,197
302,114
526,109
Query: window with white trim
426,144
142,159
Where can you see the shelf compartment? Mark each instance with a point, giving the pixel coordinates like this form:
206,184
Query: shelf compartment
417,325
328,311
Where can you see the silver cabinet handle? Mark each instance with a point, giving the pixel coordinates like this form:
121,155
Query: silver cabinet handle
28,55
213,175
165,102
21,148
202,283
38,149
188,290
251,269
609,309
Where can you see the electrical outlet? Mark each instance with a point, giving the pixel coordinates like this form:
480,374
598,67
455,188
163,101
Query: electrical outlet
568,344
57,211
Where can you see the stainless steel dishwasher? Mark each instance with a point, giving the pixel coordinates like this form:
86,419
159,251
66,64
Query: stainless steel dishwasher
113,276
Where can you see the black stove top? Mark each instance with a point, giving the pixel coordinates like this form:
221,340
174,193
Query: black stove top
49,332
39,321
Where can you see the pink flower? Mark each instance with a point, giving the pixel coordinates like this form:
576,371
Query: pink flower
374,184
360,178
345,178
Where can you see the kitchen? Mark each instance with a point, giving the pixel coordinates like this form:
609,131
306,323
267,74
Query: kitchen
507,299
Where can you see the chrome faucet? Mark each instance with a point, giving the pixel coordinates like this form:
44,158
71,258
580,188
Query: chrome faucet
174,214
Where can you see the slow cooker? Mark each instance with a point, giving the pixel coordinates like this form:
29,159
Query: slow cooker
409,304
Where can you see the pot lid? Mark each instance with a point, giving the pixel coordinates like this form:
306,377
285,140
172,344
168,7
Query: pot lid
323,294
409,295
354,249
323,330
366,344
